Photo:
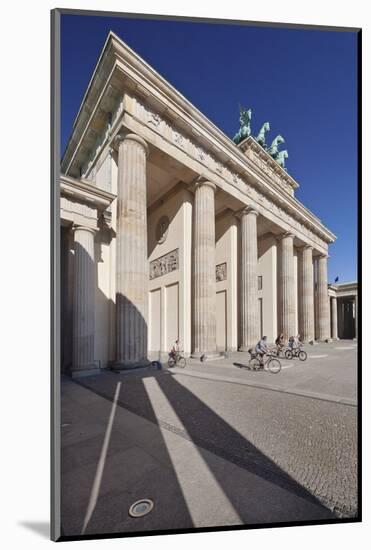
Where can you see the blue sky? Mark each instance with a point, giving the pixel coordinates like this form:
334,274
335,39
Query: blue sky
303,82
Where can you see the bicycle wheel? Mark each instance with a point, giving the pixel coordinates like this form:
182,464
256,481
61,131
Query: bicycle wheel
288,354
254,363
181,362
171,362
274,365
302,355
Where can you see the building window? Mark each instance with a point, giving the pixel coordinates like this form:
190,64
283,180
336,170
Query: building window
260,282
260,309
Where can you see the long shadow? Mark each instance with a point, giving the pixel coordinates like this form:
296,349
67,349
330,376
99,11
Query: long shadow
210,432
242,366
137,464
216,438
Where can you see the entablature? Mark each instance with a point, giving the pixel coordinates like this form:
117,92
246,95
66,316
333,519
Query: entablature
126,90
81,202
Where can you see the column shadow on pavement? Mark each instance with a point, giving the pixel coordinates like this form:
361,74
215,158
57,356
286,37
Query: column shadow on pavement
259,502
129,470
212,433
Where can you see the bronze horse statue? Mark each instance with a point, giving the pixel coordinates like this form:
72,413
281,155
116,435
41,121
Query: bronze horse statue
245,125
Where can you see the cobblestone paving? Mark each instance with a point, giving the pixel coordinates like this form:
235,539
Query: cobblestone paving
291,440
313,441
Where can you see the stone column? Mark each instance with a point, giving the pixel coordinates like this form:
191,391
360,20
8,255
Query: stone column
131,254
334,318
306,295
249,279
204,282
286,286
323,300
84,303
341,320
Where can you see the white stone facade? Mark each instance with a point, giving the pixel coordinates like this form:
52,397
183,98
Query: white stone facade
179,233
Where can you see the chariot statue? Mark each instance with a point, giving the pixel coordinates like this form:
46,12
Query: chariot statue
273,149
245,125
260,138
281,156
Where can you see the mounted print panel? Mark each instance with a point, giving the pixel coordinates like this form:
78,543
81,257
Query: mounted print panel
206,377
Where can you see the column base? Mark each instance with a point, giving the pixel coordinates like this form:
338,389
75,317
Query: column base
246,348
130,364
89,370
204,356
325,340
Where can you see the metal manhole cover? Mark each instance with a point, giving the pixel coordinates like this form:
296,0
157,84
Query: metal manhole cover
141,508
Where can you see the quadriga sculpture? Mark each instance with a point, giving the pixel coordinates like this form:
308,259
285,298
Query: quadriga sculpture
273,149
260,138
281,156
245,125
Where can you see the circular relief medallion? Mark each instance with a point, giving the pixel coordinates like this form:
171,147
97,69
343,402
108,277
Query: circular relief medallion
162,229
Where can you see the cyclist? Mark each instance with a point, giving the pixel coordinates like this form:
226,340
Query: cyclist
175,350
279,342
297,342
261,348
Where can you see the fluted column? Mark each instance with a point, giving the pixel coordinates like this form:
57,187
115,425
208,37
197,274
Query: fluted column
334,318
249,280
84,303
131,259
286,286
306,295
323,300
204,282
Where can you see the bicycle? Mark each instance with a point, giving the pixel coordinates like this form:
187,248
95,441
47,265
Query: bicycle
296,352
271,363
176,359
279,351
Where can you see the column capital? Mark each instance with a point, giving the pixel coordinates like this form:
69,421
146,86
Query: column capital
323,257
246,210
202,180
285,235
307,247
123,135
77,227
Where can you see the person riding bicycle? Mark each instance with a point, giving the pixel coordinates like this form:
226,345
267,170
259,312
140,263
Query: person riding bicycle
280,341
297,342
261,348
175,350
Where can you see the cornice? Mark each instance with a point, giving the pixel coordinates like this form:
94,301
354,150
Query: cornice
250,143
85,192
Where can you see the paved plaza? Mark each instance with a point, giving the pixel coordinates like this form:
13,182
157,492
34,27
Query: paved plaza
211,445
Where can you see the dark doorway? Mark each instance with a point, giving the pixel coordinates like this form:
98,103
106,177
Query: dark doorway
346,318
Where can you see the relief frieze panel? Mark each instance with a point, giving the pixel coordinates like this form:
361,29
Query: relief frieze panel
221,272
165,264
